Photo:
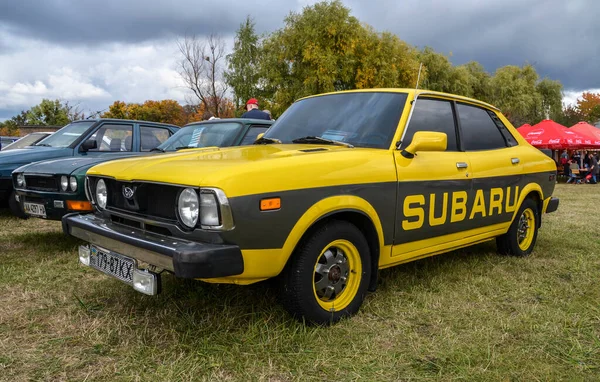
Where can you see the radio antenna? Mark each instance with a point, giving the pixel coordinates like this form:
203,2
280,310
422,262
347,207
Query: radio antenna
419,75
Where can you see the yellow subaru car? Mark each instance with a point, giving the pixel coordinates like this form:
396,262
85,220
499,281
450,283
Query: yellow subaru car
342,185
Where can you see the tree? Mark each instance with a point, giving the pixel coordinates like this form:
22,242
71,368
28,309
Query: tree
242,75
165,111
48,113
589,107
551,93
201,69
514,92
315,52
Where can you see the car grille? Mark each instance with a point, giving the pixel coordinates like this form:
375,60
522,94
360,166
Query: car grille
41,183
149,199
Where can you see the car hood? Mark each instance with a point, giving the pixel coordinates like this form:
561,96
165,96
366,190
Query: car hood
252,169
11,159
68,166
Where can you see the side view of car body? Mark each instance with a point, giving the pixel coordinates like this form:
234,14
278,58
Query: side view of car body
86,138
53,188
28,140
342,185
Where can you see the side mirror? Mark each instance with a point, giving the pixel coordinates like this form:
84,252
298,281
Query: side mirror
259,136
89,145
426,141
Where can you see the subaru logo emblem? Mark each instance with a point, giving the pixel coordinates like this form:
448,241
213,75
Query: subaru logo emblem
128,192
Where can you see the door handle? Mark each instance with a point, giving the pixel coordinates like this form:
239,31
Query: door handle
461,165
515,160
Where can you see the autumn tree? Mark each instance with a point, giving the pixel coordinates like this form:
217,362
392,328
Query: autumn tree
46,113
242,75
165,111
589,107
201,68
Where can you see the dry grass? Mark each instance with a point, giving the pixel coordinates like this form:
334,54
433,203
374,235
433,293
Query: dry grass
467,315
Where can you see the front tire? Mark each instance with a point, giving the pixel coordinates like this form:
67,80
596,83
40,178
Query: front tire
15,207
522,234
328,275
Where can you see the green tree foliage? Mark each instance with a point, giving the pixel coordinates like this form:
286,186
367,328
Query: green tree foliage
551,93
324,49
46,113
242,75
514,92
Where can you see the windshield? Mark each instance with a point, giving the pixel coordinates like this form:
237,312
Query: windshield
203,135
25,141
67,135
365,119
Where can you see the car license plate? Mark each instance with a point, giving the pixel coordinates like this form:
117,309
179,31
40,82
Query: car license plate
34,209
113,264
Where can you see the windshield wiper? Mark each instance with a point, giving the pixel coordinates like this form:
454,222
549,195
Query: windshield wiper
158,149
311,139
265,140
185,147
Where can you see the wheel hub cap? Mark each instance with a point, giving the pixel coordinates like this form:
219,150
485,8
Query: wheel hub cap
331,274
523,228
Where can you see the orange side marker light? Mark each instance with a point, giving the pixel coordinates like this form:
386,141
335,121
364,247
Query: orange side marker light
270,204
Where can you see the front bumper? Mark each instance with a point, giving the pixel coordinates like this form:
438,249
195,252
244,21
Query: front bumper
55,203
186,259
552,205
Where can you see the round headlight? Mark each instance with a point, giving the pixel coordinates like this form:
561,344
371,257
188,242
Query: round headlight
188,207
101,194
20,180
64,182
73,183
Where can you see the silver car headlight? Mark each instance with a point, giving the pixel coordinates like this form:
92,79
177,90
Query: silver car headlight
73,183
101,194
188,207
64,183
21,180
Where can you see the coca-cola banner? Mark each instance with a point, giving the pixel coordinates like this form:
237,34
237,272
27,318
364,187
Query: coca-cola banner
551,135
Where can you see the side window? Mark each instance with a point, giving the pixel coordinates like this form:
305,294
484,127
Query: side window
510,139
152,136
253,133
479,132
432,115
112,137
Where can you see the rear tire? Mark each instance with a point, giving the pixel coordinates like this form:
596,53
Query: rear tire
522,234
15,207
328,275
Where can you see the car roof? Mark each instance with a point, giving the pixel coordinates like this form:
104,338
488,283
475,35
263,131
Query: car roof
414,92
225,120
125,120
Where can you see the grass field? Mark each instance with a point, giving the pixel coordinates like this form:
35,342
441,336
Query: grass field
467,315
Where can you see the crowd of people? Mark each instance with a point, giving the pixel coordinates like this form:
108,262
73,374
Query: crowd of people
580,167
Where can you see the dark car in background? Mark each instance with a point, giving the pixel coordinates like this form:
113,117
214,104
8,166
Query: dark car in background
28,140
86,138
51,189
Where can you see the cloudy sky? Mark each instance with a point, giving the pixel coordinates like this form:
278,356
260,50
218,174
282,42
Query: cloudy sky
92,53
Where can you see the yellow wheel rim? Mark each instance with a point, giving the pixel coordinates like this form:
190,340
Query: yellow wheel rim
526,229
337,275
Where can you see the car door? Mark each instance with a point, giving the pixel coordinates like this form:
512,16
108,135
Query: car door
433,187
496,166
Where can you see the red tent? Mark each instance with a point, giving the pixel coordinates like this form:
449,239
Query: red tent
551,135
586,128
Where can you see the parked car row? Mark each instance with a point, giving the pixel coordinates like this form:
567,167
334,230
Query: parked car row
340,186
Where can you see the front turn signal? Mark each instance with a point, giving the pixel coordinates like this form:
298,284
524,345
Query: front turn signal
77,205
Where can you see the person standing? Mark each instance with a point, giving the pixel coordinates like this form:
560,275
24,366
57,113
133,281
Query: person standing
254,112
594,170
